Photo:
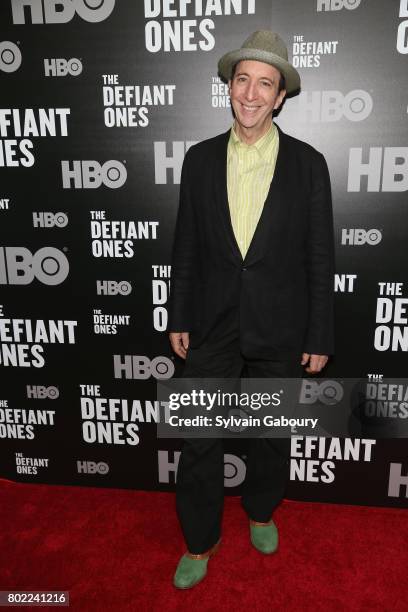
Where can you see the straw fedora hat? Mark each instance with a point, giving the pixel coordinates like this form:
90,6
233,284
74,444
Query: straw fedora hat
262,46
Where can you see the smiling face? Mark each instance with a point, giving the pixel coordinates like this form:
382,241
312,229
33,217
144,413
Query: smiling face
254,93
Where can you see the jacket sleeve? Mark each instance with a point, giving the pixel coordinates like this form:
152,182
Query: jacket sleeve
320,263
184,256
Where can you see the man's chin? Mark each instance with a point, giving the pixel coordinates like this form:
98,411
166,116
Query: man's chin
248,123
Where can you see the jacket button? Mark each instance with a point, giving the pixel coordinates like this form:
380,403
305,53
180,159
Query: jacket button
244,269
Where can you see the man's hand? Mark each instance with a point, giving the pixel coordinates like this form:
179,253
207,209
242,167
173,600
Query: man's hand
179,343
316,362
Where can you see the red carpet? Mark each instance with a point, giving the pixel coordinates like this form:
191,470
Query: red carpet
116,549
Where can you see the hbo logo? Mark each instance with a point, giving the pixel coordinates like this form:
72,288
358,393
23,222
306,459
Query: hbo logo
332,105
386,169
159,367
90,174
337,5
61,67
46,11
234,468
10,56
108,287
39,392
90,467
141,367
361,236
328,392
18,266
49,219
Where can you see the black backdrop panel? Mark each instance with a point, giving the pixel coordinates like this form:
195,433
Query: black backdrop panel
99,106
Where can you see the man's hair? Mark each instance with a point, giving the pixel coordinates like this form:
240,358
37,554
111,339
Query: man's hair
282,83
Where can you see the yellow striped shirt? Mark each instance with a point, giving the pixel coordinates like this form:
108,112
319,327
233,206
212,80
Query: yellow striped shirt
250,170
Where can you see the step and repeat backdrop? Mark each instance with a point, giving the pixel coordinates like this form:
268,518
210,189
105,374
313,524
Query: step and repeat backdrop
100,100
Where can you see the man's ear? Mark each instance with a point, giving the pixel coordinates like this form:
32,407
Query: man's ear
280,99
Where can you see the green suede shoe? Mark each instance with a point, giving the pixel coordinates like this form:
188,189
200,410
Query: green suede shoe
264,536
192,569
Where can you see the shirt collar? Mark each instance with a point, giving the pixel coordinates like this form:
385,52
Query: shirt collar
262,145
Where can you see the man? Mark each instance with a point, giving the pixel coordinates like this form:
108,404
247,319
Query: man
252,284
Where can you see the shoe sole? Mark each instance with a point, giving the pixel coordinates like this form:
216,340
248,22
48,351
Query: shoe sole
190,586
271,552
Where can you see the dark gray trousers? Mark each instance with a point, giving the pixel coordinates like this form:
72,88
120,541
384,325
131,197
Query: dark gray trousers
200,475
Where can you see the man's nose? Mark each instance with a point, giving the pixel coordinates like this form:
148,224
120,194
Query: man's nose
251,91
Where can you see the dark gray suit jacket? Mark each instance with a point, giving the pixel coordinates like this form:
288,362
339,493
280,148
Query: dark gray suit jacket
281,294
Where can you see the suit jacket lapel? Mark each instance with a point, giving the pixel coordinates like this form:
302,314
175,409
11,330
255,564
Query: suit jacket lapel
276,206
221,196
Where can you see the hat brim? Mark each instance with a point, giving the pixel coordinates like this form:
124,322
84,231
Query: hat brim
292,77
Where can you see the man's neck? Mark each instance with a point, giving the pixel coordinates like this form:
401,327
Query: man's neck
247,135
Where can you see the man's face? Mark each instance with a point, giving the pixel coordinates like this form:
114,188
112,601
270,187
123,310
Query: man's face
254,94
